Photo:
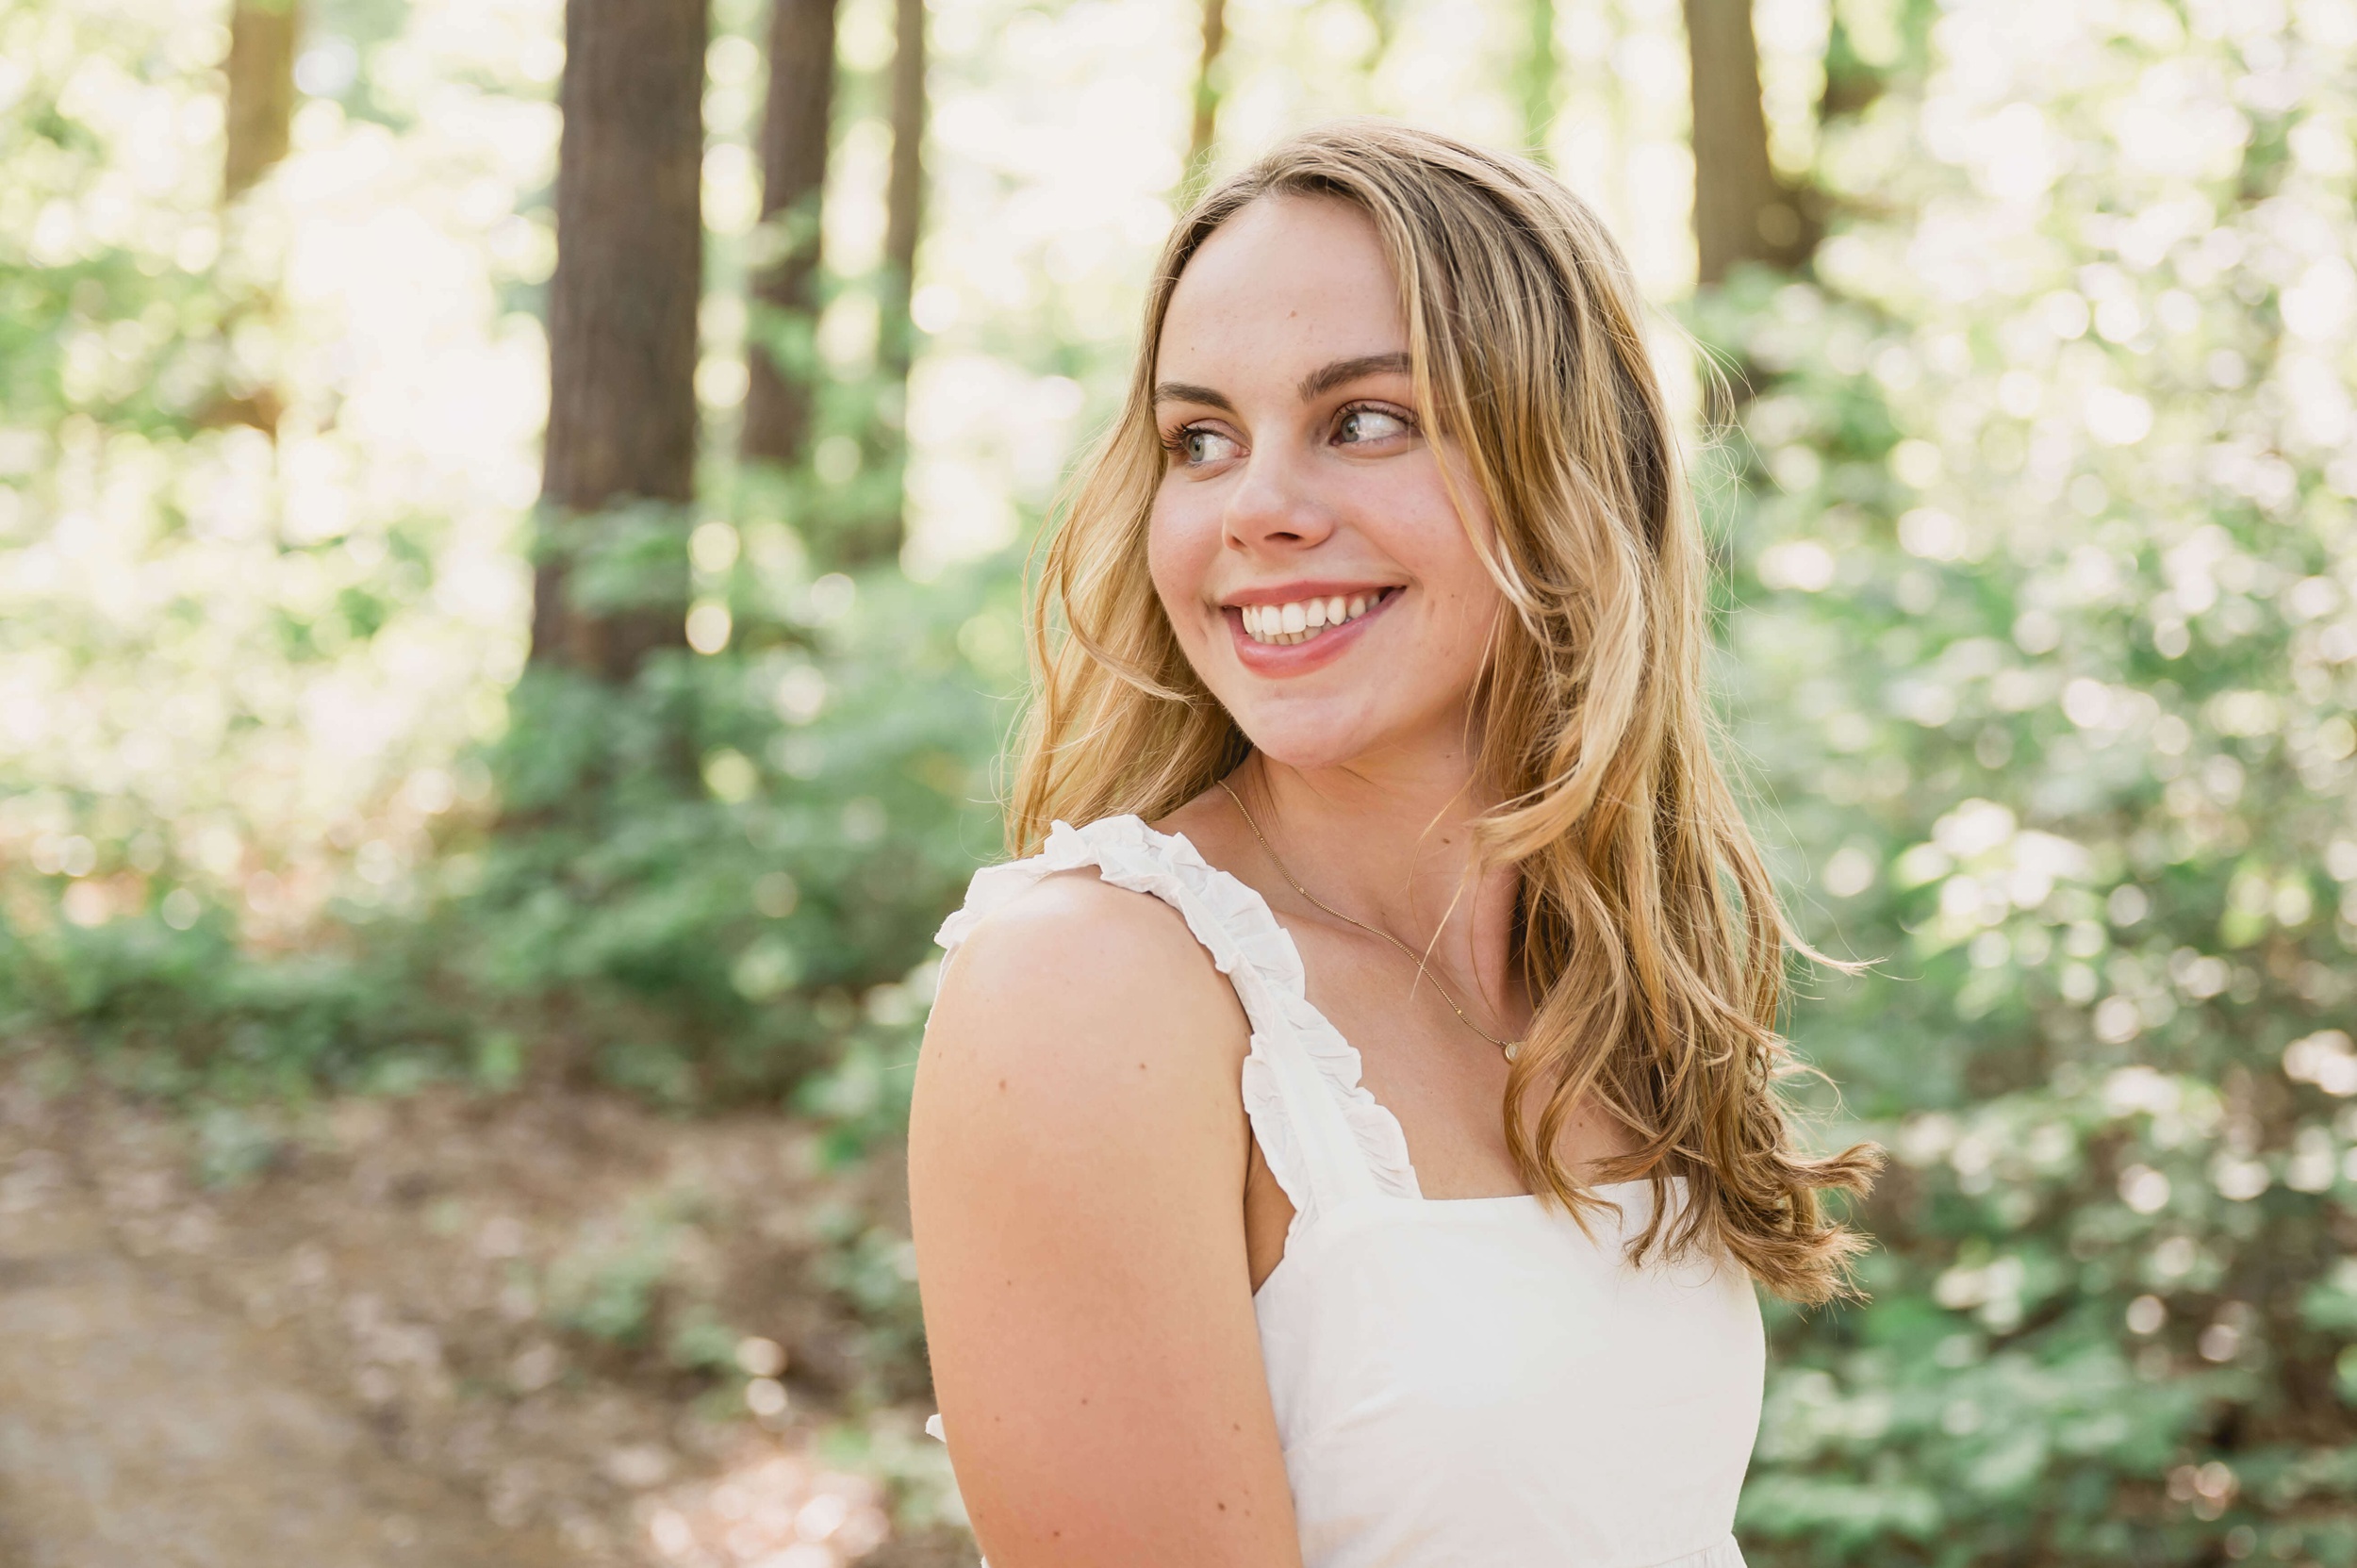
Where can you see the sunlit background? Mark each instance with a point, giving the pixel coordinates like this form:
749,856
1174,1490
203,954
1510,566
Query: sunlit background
503,1076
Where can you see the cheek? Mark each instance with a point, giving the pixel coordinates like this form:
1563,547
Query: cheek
1462,602
1437,548
1464,624
1179,552
1472,590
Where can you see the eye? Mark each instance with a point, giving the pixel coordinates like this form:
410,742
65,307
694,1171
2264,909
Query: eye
1366,425
1197,444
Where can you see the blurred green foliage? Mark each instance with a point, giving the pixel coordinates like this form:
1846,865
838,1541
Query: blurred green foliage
606,1286
721,875
2041,650
2038,643
704,885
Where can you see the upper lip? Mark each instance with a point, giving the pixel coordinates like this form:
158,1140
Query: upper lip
1290,593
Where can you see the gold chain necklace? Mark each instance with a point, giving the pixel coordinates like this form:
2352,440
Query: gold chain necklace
1512,1048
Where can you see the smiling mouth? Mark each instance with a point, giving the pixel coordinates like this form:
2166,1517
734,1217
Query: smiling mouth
1306,619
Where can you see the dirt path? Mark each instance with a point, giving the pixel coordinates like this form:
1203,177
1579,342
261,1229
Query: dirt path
445,1332
141,1427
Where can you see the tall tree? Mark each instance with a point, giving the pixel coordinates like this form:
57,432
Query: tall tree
1742,211
1203,129
904,197
876,534
794,142
259,115
621,314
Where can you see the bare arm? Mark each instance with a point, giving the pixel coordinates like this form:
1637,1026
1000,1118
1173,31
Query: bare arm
1077,1157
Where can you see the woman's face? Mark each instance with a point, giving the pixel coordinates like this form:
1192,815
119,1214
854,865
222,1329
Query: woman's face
1303,543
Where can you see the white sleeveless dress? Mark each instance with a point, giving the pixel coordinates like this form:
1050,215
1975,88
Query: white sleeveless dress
1470,1383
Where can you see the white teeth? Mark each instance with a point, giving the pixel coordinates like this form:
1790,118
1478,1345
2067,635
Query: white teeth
1285,624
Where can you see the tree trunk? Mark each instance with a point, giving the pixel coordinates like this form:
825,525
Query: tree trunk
905,198
877,534
257,114
622,309
1204,130
793,145
1742,211
260,111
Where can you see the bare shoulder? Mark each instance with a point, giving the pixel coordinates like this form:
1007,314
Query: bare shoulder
1078,1157
1074,962
1076,920
1076,1020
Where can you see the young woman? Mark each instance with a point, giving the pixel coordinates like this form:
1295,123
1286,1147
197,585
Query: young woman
1355,1142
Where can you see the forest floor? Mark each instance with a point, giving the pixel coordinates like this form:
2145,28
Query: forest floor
441,1329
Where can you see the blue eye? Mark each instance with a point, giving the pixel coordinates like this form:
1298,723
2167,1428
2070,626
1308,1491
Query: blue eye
1196,445
1360,425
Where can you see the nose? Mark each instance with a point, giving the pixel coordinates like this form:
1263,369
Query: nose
1275,505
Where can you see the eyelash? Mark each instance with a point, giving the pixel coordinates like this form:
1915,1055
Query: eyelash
1174,444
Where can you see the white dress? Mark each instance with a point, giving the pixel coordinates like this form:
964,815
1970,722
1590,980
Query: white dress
1471,1384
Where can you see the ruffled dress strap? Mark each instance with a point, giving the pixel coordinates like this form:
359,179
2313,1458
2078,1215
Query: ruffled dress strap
1327,1140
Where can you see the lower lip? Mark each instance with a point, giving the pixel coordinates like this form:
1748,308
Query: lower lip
1299,658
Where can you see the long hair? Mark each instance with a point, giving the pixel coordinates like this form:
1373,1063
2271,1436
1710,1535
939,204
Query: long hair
1649,932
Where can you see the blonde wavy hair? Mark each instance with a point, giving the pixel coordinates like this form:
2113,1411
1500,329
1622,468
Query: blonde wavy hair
1648,931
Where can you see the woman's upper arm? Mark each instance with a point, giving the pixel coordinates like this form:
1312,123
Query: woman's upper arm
1076,1164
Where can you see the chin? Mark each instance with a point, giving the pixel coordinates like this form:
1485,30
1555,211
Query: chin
1305,754
1309,740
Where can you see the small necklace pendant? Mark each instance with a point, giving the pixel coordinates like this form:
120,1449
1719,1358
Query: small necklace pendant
1514,1048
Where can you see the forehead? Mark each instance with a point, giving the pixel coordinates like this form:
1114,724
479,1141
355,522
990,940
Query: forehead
1286,285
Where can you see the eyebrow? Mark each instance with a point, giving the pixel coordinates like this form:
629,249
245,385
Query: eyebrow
1344,371
1187,391
1324,379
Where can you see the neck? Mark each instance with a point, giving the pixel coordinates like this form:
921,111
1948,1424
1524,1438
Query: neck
1391,843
